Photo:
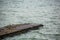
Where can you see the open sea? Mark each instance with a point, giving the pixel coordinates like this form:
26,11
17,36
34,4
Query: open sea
46,12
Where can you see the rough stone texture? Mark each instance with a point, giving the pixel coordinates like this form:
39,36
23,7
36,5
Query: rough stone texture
45,12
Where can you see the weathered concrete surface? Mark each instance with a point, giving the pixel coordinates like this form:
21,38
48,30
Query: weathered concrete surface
45,12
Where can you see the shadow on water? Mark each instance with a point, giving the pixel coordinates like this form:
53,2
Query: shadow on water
20,32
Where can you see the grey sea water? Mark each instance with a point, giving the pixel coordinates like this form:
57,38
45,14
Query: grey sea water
46,12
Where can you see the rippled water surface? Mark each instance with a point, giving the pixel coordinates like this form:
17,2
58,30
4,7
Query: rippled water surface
46,12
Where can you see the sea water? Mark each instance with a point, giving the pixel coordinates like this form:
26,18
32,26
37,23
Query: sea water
46,12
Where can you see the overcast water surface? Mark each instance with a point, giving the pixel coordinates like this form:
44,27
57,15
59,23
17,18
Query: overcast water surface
46,12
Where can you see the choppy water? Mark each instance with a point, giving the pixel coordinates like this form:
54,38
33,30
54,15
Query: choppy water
46,12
